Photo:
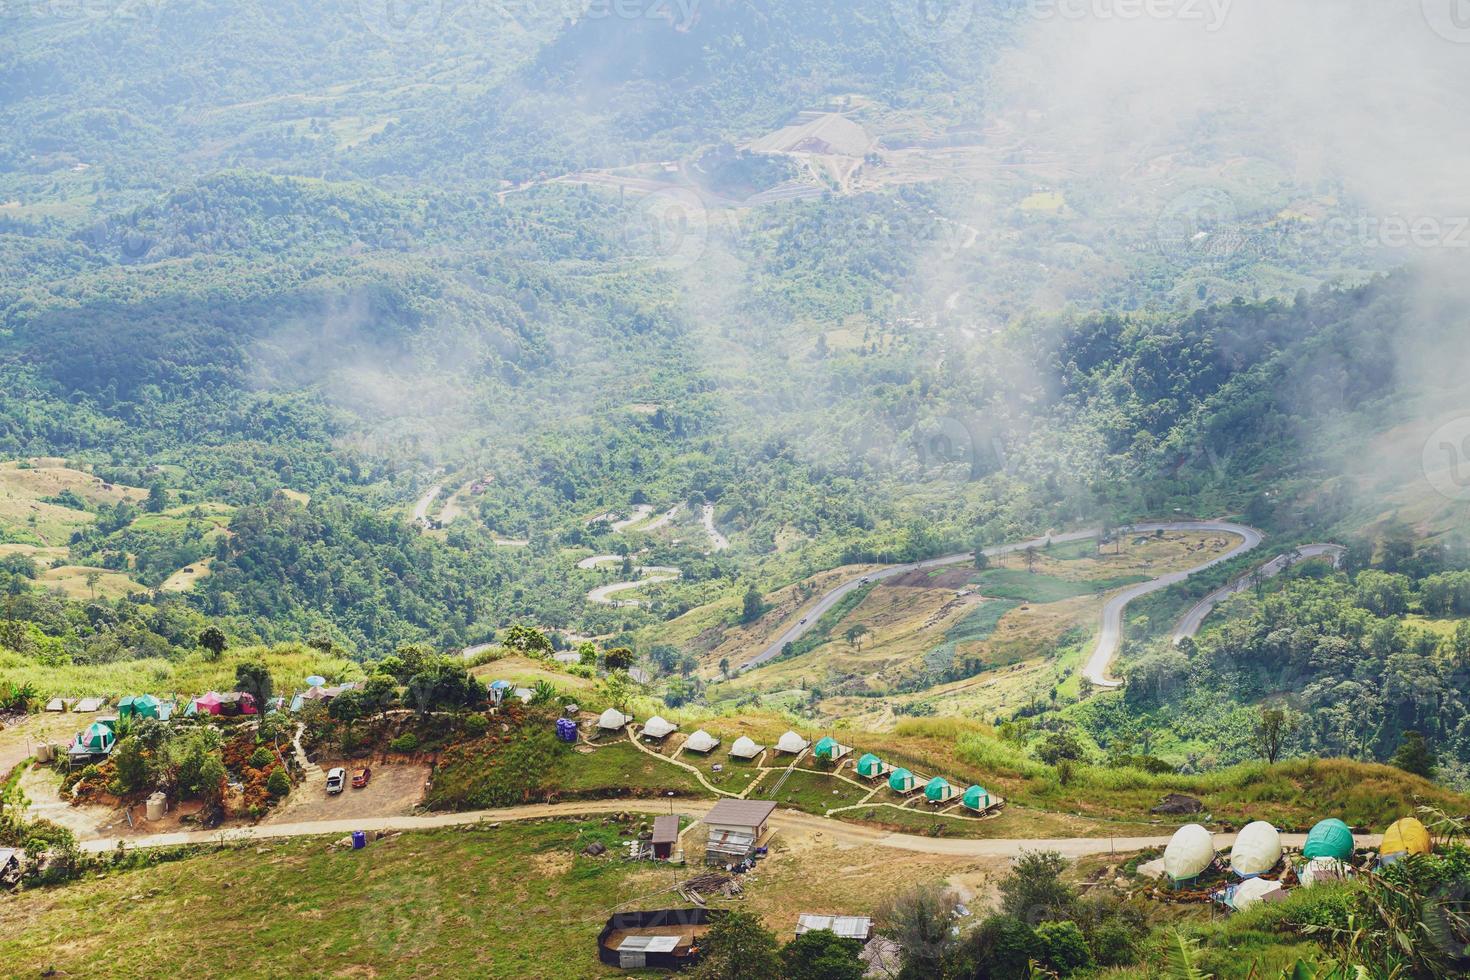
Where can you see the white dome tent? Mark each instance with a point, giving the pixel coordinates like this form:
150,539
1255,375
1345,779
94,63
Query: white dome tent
1191,850
745,748
1256,851
792,744
701,741
658,727
612,719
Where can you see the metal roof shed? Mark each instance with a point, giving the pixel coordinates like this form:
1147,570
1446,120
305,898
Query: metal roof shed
665,835
858,927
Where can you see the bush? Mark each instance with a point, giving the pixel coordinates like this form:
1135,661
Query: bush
260,758
476,725
405,743
1061,947
278,785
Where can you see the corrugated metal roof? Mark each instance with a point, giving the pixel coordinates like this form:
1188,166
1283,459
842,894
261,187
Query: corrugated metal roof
649,944
666,829
846,926
740,813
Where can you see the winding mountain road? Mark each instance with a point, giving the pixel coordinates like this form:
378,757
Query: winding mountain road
1108,640
1191,621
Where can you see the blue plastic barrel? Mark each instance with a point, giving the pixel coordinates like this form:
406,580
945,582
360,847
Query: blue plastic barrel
359,840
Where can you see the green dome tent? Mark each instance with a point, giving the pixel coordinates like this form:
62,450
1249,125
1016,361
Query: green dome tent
938,790
901,781
825,748
97,738
1329,838
870,765
976,798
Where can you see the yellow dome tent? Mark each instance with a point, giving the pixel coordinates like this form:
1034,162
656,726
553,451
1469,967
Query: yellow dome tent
1406,836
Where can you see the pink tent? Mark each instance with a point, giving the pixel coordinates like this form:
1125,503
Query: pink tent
247,704
208,702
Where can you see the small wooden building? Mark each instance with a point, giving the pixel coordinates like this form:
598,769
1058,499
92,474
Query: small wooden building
736,829
665,835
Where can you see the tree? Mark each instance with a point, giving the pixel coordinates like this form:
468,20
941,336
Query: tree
920,921
1061,946
982,560
616,690
587,653
855,634
1030,554
618,658
527,640
254,678
1034,890
724,666
754,606
1001,947
213,640
157,498
1415,756
1271,732
92,578
738,947
821,955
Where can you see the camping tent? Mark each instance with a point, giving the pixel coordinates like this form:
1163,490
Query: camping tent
211,704
872,767
1329,838
142,706
745,748
97,738
792,744
902,781
701,741
976,798
1248,893
830,748
1191,850
939,790
1256,851
1403,837
658,727
316,680
612,719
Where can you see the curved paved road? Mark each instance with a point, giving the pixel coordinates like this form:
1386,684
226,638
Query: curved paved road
1107,646
836,831
1191,621
1095,669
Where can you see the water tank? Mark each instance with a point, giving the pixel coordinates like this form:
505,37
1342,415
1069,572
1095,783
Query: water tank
566,730
154,808
359,839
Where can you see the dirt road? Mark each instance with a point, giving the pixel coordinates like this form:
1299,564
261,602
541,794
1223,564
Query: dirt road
831,831
1191,621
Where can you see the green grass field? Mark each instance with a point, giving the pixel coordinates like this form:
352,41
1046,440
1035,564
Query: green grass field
467,902
1015,583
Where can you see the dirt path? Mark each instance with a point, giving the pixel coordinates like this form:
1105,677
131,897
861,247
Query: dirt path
717,541
832,831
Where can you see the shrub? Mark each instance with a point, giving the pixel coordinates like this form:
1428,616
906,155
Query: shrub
278,785
405,743
476,725
1061,946
261,758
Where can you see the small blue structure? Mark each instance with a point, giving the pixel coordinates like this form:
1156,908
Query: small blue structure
498,689
566,730
359,840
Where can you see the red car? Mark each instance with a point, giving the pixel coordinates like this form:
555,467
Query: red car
360,777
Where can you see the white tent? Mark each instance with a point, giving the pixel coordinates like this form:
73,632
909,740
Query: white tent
701,741
1248,893
1257,849
1189,853
658,727
792,743
745,748
612,719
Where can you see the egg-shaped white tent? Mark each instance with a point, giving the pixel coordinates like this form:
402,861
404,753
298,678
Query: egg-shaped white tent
658,727
1257,849
701,741
745,748
1189,853
612,719
792,743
